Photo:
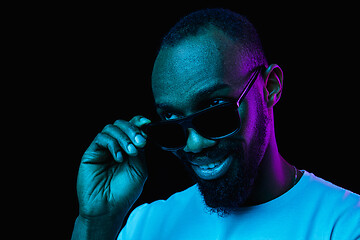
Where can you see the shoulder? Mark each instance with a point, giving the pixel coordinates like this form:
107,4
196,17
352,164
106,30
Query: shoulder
339,208
176,202
333,194
148,218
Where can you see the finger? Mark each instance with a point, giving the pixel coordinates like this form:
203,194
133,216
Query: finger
105,141
133,132
140,121
122,139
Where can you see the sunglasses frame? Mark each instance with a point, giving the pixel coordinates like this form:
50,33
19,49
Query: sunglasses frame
186,122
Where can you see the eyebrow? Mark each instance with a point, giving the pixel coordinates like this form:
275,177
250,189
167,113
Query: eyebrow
199,95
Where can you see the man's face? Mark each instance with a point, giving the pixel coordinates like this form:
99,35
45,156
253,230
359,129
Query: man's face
200,72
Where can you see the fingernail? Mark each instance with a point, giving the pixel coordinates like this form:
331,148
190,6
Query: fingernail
139,139
119,156
131,149
144,120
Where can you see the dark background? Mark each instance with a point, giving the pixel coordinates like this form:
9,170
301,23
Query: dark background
88,65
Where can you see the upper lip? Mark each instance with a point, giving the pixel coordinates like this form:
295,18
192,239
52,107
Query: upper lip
205,160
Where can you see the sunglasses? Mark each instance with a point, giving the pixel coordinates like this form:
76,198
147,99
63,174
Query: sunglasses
213,123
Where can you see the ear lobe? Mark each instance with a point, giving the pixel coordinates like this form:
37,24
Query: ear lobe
273,84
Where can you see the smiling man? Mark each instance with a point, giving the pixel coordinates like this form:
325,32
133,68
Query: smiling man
215,92
210,69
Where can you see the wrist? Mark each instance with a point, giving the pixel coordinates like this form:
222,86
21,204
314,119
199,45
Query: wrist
103,227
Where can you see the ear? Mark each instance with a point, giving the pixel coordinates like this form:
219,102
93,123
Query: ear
273,84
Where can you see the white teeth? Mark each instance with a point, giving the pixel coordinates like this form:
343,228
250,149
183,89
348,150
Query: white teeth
210,165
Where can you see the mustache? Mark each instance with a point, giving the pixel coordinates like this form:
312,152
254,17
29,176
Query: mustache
208,154
225,146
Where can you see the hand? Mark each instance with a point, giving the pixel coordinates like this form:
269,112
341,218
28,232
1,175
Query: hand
113,171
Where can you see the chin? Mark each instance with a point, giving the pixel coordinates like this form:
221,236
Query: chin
229,192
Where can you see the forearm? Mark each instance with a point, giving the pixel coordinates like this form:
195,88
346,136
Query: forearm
104,229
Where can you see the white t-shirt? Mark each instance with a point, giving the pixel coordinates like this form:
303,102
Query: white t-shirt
312,209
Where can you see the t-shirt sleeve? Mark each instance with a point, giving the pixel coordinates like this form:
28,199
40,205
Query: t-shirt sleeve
130,230
347,224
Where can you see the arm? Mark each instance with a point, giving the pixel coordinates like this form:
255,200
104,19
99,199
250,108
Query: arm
111,177
106,228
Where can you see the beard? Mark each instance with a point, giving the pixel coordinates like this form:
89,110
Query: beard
229,192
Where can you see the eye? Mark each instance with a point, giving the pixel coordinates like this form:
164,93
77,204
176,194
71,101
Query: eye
169,116
216,101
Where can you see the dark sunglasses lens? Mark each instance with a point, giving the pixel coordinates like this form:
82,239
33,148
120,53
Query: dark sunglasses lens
218,122
167,135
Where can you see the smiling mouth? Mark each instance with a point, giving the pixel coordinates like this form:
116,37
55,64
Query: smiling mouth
214,170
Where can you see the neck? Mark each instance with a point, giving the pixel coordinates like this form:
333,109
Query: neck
275,176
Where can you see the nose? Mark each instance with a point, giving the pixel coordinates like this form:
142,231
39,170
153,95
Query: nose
196,143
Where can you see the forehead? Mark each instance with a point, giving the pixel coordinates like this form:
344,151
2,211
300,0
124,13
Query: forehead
194,65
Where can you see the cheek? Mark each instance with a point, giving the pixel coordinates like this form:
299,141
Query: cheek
254,117
256,127
248,114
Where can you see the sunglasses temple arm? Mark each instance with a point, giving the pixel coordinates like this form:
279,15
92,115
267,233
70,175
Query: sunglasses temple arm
248,86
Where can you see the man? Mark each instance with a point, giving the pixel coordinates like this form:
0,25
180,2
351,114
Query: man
215,93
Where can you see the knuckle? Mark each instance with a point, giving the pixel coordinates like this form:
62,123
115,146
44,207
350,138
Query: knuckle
107,127
119,122
99,137
101,140
129,128
125,143
135,130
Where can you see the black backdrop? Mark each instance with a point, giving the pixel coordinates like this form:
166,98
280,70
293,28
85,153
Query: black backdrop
96,61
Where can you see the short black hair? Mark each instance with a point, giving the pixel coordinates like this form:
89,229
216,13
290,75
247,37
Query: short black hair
234,25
